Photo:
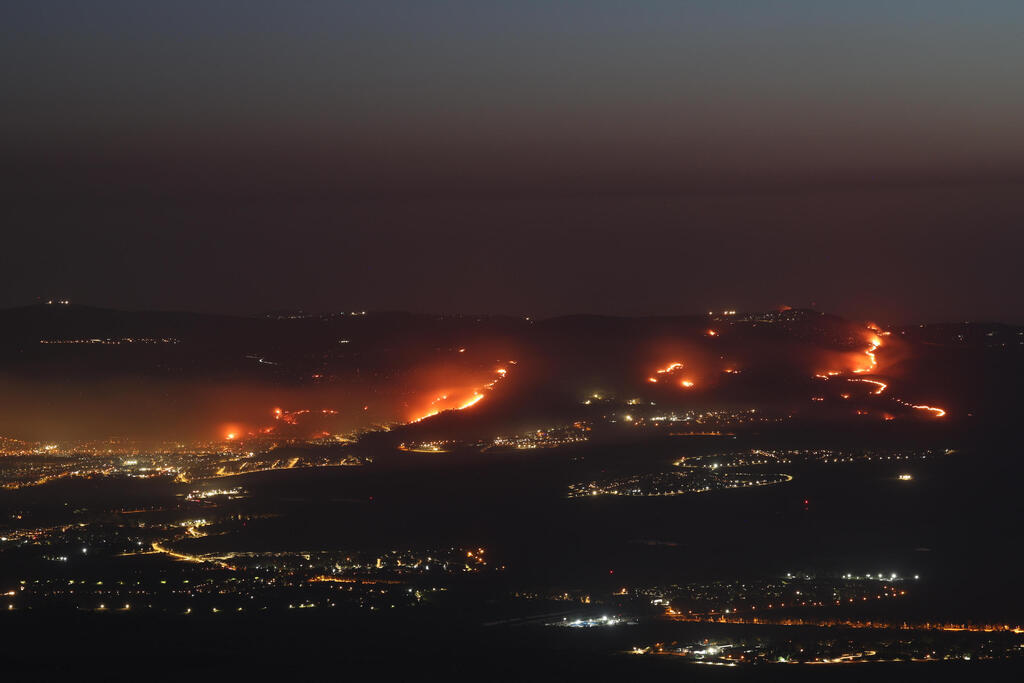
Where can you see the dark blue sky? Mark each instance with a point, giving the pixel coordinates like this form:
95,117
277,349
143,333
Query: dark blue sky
624,157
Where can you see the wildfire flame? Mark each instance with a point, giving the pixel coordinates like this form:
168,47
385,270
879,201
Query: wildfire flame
938,412
473,401
442,402
882,386
668,369
874,343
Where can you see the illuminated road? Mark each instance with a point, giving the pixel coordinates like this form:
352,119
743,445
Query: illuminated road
191,558
192,531
847,623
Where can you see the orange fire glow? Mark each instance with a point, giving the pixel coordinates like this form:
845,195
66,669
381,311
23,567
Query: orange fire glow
455,399
471,402
877,330
668,369
873,345
882,386
938,412
874,341
292,416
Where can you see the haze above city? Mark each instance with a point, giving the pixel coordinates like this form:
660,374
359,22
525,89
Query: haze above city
526,158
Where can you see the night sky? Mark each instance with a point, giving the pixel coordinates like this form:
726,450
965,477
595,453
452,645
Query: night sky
643,157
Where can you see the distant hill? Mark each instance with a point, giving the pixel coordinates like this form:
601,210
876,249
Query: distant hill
401,364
